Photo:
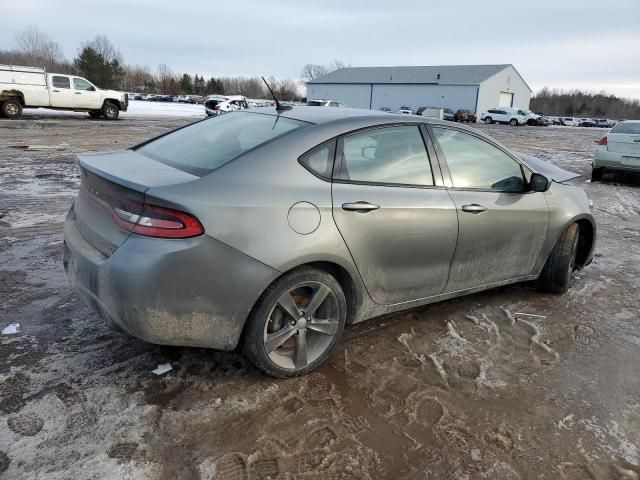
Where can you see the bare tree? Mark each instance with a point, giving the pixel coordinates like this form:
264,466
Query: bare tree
38,47
165,74
311,71
103,46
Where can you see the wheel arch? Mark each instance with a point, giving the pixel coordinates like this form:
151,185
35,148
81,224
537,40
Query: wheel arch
347,280
7,94
113,101
586,241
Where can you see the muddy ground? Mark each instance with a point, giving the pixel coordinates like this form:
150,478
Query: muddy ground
465,389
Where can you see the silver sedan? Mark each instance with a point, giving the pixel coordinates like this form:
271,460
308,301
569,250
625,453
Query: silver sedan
273,229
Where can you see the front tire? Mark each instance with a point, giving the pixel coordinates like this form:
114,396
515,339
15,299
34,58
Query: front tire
296,323
110,111
558,270
12,108
488,120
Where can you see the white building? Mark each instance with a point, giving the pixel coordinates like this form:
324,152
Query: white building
472,87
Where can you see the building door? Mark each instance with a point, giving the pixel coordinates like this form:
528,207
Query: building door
506,99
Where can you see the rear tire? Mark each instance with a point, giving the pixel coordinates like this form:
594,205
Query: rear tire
488,120
513,122
557,271
596,174
12,108
275,335
110,111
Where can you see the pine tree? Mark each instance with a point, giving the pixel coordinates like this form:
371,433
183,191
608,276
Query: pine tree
186,84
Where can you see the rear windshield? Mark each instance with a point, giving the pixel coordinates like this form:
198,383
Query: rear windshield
209,144
624,127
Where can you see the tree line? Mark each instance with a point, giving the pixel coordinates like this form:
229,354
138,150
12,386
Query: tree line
576,103
100,62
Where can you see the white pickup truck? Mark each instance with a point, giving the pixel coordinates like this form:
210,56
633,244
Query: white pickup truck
33,87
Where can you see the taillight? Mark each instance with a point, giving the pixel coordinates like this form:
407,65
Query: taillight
158,222
148,220
603,141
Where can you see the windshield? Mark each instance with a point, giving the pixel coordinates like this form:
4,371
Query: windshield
627,127
204,146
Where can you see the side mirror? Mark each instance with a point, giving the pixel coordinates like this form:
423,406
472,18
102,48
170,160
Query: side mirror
539,183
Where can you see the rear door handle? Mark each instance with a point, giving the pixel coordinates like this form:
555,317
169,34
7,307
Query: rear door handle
57,91
78,93
474,208
362,207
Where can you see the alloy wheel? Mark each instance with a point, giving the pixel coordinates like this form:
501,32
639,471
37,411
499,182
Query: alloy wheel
301,325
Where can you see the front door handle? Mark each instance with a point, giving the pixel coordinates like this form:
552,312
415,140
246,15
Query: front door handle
78,93
57,91
362,207
474,208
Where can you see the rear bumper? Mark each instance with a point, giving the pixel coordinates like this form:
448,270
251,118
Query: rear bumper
192,292
615,161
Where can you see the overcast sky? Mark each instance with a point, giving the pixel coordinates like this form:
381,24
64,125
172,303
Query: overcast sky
588,44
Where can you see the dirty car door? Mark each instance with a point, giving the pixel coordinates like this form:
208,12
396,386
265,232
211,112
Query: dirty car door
399,226
502,226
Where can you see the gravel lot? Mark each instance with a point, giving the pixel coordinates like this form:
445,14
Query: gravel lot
465,389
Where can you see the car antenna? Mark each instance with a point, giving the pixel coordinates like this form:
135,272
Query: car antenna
279,107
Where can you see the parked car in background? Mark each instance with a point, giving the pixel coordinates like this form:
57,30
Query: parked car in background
531,118
325,103
619,149
29,87
587,122
432,112
554,120
463,115
449,115
405,110
542,121
505,115
385,109
211,103
167,239
569,121
603,123
232,103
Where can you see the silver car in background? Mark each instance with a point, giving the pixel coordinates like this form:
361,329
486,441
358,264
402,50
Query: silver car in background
273,229
619,150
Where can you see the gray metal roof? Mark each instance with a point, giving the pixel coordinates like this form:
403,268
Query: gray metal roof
449,74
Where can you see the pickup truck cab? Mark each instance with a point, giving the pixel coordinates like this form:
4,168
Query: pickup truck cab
27,87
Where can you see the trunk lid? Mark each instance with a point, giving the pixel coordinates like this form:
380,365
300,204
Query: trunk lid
624,143
113,181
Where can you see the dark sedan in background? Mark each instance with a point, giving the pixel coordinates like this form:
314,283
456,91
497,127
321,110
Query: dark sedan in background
464,116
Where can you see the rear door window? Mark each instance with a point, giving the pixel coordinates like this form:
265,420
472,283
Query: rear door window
60,82
391,155
320,160
628,128
204,146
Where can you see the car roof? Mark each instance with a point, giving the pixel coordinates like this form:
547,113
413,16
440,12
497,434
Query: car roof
352,118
